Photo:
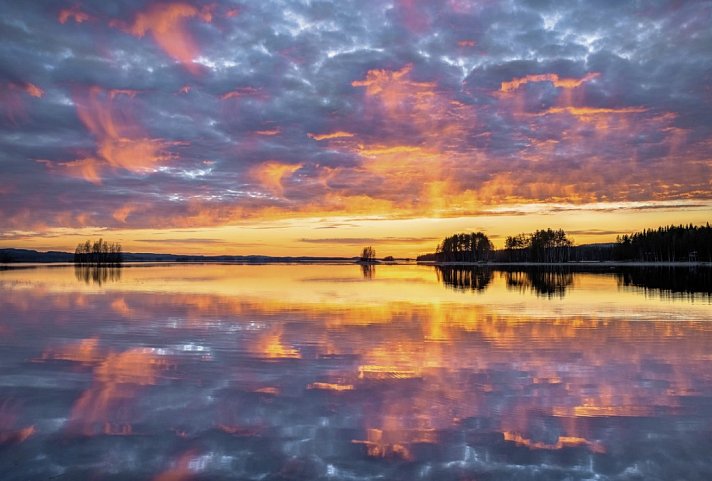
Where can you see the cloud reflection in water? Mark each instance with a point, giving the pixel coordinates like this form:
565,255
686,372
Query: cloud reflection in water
303,372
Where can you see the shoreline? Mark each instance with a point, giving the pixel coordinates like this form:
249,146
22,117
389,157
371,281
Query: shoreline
571,264
575,264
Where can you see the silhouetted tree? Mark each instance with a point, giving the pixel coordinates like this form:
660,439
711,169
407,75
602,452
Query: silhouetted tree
667,244
473,247
98,253
516,247
541,246
368,254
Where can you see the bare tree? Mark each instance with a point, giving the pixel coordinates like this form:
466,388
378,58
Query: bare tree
98,253
368,254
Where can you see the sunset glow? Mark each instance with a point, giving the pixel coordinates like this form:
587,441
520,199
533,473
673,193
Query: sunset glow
303,129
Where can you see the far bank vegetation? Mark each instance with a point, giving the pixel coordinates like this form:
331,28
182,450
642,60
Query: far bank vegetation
665,244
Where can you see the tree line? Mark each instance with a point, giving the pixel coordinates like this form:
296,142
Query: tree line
664,244
98,253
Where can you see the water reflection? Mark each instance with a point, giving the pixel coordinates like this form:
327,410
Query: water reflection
464,278
368,271
670,281
542,281
107,405
297,372
97,274
555,281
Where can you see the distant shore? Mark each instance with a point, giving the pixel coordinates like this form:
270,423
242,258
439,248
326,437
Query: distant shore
570,264
18,257
24,256
345,261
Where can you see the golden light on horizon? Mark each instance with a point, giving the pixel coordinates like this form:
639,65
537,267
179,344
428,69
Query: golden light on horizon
378,150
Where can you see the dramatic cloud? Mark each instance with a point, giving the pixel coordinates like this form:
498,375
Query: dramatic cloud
165,22
120,142
141,114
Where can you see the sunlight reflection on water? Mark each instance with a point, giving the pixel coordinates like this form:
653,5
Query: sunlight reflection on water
331,372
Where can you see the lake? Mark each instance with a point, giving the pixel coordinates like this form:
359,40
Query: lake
343,372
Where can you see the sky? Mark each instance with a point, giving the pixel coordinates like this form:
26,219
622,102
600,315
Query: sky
300,127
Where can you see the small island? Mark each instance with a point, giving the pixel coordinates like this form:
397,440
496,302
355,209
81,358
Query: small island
368,256
98,253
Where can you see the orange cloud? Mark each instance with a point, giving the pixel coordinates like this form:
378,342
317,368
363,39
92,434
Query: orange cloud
392,88
415,154
166,24
271,175
87,168
334,135
436,117
466,43
72,13
268,133
562,442
567,83
121,143
590,111
33,90
123,212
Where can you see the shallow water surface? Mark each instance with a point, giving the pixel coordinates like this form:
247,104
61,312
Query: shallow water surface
343,372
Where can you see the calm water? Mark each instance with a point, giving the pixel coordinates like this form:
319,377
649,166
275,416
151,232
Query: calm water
282,372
